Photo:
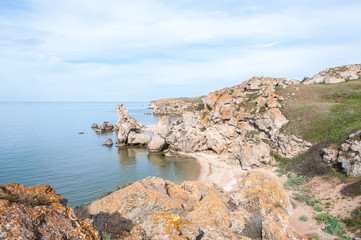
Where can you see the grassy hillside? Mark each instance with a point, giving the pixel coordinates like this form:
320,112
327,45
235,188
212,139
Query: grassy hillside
321,112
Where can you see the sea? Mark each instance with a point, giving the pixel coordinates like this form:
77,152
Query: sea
40,144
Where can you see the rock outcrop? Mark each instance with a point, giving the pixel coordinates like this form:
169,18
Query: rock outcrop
230,120
129,129
108,142
336,75
348,155
160,209
39,213
175,106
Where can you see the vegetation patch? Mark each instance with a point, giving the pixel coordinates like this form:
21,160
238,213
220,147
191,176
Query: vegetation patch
318,207
314,236
354,223
32,200
303,218
336,109
352,190
334,226
253,228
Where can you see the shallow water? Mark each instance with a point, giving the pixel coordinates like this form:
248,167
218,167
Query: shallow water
40,144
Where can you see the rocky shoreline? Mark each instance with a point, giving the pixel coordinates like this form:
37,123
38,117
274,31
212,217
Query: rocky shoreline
234,133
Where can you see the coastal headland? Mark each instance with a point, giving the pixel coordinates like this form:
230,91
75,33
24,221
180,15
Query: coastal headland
280,159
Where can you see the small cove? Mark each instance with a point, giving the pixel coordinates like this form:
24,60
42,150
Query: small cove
40,144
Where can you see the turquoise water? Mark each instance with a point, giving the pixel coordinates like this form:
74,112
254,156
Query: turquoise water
40,144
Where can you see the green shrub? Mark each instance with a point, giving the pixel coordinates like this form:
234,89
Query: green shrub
345,238
314,236
300,197
293,204
354,223
336,228
318,207
325,218
303,218
294,179
311,202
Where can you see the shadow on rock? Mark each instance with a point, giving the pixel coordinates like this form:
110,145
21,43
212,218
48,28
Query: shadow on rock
112,223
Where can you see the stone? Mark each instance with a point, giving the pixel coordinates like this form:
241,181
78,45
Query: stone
160,209
94,125
135,138
157,143
348,155
39,213
107,126
336,75
125,125
253,154
108,142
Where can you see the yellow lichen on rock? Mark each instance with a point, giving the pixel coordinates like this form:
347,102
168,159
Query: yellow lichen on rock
38,213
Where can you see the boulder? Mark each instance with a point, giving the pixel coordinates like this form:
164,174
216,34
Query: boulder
108,142
156,144
107,126
135,138
271,121
251,155
94,125
39,213
348,155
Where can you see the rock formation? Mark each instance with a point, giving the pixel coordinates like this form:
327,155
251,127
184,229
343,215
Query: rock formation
108,142
348,155
229,121
160,209
129,129
39,213
175,106
336,75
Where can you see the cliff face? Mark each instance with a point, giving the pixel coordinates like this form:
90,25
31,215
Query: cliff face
39,213
156,209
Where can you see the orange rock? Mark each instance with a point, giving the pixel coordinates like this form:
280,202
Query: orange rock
38,213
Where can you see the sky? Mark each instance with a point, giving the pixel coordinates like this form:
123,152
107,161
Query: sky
139,50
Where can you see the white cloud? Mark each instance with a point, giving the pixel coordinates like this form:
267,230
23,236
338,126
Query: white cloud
134,48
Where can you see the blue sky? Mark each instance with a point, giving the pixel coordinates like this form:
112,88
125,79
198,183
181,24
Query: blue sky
114,50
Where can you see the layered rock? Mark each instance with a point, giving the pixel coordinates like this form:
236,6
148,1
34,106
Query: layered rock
129,129
163,210
336,75
39,213
348,155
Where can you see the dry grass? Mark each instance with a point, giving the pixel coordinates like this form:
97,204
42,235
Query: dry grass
322,111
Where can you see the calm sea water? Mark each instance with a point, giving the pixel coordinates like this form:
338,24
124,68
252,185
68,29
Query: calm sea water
40,144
